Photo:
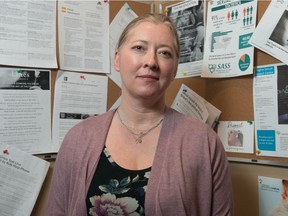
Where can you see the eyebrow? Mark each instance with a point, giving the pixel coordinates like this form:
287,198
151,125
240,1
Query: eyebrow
146,42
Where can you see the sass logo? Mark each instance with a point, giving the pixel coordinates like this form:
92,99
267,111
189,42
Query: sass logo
212,67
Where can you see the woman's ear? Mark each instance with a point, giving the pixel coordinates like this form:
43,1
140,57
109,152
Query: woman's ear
116,60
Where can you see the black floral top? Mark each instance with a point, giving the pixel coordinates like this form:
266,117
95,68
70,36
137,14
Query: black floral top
115,190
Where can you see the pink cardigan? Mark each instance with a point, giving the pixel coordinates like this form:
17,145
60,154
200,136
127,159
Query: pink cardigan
189,174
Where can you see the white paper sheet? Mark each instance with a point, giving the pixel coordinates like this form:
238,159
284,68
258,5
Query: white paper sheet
271,34
271,110
189,19
77,96
25,109
21,178
190,103
237,136
83,31
28,33
120,21
230,25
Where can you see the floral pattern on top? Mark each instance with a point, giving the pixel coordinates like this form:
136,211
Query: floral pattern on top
115,190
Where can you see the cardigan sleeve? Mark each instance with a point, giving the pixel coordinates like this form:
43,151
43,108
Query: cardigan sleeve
222,203
59,188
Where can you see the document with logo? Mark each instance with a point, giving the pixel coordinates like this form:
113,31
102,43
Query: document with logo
21,178
83,31
230,25
190,103
237,136
271,110
271,34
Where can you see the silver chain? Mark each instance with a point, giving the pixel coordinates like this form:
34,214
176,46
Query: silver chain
138,136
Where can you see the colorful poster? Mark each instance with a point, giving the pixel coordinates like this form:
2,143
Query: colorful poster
230,25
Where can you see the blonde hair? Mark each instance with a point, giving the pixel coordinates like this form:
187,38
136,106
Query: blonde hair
152,18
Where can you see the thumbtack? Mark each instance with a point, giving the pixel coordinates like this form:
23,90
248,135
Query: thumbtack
5,151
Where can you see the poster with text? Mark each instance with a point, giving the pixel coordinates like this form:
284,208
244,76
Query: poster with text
25,109
230,25
270,91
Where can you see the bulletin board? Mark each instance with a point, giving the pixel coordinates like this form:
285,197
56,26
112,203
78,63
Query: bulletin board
233,96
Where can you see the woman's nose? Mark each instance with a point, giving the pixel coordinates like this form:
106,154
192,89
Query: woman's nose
151,60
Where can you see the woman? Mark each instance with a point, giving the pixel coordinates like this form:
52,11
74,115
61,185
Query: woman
143,158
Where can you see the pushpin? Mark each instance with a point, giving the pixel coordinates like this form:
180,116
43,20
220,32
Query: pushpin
165,10
184,73
82,77
19,71
250,122
258,152
5,151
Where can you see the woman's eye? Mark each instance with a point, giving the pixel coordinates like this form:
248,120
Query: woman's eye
138,48
166,54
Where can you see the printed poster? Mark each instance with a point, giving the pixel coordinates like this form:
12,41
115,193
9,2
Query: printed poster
188,17
230,25
271,110
271,34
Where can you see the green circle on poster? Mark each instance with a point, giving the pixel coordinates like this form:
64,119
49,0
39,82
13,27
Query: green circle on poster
244,62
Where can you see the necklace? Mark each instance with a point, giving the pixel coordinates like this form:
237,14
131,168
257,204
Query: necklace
138,136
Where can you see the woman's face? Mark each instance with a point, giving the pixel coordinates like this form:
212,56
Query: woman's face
147,61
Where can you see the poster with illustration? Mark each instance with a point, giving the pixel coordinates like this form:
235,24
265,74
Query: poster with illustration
237,136
271,34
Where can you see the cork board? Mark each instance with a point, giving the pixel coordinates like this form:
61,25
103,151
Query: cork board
233,96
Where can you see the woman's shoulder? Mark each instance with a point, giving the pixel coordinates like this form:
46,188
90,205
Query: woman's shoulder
180,119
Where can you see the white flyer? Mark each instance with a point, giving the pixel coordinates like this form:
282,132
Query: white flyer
77,96
230,25
271,110
21,178
25,109
190,103
28,33
83,31
237,136
271,34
